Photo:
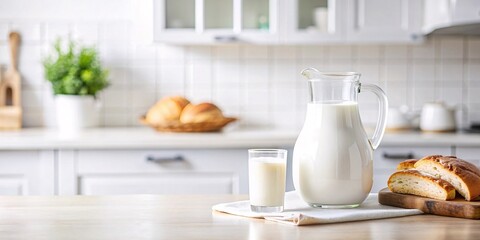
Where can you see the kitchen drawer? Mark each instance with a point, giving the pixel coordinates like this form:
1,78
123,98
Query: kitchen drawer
100,172
164,183
386,160
155,161
471,154
27,172
389,157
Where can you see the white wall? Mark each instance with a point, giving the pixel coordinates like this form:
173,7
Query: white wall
259,84
92,10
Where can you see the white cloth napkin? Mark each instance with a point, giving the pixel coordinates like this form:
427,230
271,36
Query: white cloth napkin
297,212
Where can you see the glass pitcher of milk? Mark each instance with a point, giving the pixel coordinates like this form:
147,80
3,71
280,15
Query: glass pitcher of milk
333,157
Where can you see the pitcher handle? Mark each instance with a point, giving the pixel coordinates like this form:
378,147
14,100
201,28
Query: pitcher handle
382,116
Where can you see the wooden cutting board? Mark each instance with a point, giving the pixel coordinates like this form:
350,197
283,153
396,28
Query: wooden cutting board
454,208
10,90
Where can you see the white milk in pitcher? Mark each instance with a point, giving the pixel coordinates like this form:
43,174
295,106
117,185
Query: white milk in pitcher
332,159
267,181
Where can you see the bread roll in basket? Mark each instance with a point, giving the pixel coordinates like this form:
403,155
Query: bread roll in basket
177,114
166,110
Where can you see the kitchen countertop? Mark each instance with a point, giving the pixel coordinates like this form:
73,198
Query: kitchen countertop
144,138
191,217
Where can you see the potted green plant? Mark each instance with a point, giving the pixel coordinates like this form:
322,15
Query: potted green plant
77,77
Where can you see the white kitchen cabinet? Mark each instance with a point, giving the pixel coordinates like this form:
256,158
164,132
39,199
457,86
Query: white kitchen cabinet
384,20
386,160
313,21
27,172
451,17
213,21
278,22
100,172
471,154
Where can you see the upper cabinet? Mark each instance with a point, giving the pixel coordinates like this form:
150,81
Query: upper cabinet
313,21
278,21
215,21
452,17
384,20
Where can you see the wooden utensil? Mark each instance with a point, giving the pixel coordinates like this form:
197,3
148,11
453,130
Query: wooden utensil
455,208
10,90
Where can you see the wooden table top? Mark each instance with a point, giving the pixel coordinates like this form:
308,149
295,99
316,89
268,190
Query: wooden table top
190,217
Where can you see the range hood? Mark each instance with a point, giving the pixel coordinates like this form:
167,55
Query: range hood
451,17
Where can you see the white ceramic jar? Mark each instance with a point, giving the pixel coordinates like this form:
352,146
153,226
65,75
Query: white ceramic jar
437,117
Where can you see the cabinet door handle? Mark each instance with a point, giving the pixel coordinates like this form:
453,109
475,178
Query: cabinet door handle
398,156
226,39
153,159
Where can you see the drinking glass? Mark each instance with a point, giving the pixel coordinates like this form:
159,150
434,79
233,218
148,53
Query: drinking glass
267,176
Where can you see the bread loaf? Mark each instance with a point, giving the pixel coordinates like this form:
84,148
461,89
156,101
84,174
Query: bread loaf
203,112
416,183
462,175
166,110
407,164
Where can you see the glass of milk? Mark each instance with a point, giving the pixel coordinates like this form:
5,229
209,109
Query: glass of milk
267,175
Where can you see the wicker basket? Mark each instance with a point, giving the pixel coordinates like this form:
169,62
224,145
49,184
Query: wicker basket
190,127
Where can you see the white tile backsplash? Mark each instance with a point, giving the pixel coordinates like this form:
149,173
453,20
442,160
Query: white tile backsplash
259,84
116,98
257,99
30,32
32,75
115,53
200,75
4,30
32,98
142,99
422,95
256,74
115,31
87,32
142,53
4,55
170,78
258,118
451,48
423,70
473,48
53,31
230,97
451,70
312,52
32,117
370,71
256,52
396,52
396,71
340,52
284,52
143,77
199,53
424,51
284,71
453,95
472,74
116,117
169,54
28,54
227,73
368,52
338,65
119,77
227,52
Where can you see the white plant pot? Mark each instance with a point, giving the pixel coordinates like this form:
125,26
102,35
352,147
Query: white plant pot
76,113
